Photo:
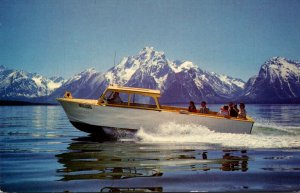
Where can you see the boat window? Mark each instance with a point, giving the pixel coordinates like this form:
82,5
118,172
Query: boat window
124,97
142,101
135,100
110,95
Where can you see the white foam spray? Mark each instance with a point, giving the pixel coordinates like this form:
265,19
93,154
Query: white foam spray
263,136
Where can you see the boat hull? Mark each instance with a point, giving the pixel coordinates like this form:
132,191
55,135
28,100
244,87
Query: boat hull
103,132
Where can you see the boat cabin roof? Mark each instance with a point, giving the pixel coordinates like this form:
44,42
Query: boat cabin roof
132,90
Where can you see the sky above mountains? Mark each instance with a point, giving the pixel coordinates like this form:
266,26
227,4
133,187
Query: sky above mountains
61,38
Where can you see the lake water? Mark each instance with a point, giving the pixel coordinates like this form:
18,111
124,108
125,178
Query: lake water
42,152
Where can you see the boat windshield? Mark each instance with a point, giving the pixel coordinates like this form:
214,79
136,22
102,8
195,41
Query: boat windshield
126,99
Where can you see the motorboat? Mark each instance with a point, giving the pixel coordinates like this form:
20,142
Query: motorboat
138,108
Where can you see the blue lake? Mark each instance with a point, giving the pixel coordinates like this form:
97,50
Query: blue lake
40,151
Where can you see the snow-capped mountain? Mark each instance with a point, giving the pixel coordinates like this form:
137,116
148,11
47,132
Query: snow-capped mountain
17,84
226,86
147,69
179,81
278,80
83,85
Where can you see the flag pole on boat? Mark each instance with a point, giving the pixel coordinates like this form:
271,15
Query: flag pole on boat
112,81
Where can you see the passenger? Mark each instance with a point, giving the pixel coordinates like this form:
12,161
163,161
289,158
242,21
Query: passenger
203,108
236,108
192,107
242,112
224,111
68,95
232,111
115,99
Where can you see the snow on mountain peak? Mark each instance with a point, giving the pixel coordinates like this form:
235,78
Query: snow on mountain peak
87,72
280,61
147,49
148,53
186,65
280,68
147,61
277,59
230,81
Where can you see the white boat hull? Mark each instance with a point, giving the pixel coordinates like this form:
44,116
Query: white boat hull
111,121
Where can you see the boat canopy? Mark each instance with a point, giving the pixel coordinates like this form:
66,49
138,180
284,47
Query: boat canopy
132,90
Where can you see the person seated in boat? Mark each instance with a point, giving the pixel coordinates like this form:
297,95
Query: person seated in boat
203,108
232,111
236,108
224,111
242,113
192,107
68,95
115,98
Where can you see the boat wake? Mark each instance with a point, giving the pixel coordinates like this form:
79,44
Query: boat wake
264,135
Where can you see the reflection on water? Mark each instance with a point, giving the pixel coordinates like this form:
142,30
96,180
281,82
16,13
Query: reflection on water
233,163
88,159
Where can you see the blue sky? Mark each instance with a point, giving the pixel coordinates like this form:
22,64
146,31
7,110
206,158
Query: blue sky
60,37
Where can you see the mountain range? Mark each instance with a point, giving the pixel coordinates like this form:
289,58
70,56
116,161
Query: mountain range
179,81
21,85
278,81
